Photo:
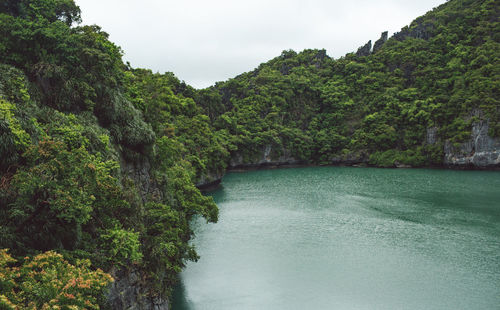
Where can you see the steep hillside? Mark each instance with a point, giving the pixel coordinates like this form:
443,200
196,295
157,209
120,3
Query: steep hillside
90,163
99,161
412,100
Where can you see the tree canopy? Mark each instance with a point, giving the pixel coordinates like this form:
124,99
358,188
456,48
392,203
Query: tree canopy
99,161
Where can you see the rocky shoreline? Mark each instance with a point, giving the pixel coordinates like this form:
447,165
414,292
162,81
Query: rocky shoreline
480,152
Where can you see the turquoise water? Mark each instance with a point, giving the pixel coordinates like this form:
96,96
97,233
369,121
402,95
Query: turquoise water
348,238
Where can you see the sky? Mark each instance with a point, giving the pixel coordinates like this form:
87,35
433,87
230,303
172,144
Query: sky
205,41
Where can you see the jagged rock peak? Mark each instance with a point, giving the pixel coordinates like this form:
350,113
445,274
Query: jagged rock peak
365,50
378,44
417,30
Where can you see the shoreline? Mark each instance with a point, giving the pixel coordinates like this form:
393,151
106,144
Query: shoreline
213,185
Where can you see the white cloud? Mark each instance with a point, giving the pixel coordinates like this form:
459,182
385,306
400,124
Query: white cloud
207,41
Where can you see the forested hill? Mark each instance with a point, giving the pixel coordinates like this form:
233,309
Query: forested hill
439,75
99,161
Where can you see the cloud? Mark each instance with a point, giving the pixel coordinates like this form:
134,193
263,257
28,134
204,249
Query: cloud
207,41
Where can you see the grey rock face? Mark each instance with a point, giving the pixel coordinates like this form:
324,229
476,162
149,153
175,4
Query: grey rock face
130,292
417,31
378,44
431,137
480,151
350,159
264,157
320,58
139,173
365,50
210,179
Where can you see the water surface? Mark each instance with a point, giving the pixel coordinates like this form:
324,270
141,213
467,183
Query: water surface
348,238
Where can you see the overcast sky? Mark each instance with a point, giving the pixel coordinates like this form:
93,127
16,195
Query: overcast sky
204,41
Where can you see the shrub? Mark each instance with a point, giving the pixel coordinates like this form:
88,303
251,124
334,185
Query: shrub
47,281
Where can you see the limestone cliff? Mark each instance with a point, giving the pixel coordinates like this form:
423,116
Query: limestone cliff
130,291
378,44
210,180
266,156
481,151
365,50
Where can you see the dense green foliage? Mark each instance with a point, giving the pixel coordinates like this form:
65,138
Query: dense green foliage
47,281
71,124
438,72
179,119
99,161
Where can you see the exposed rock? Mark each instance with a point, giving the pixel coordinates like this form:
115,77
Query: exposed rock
431,136
129,292
365,50
210,180
350,159
265,157
360,165
320,58
480,151
416,30
378,44
399,165
139,172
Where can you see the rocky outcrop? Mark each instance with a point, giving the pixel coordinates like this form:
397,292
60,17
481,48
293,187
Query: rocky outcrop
264,157
378,44
129,291
432,135
350,159
319,58
481,151
210,180
417,30
139,173
365,50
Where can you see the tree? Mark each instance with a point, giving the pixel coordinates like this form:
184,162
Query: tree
47,281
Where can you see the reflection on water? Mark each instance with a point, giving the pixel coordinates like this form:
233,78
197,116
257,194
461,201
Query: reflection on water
179,298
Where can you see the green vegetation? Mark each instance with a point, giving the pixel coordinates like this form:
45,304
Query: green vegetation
71,126
47,281
99,161
438,72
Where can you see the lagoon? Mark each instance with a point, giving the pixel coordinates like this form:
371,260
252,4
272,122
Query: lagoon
348,238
